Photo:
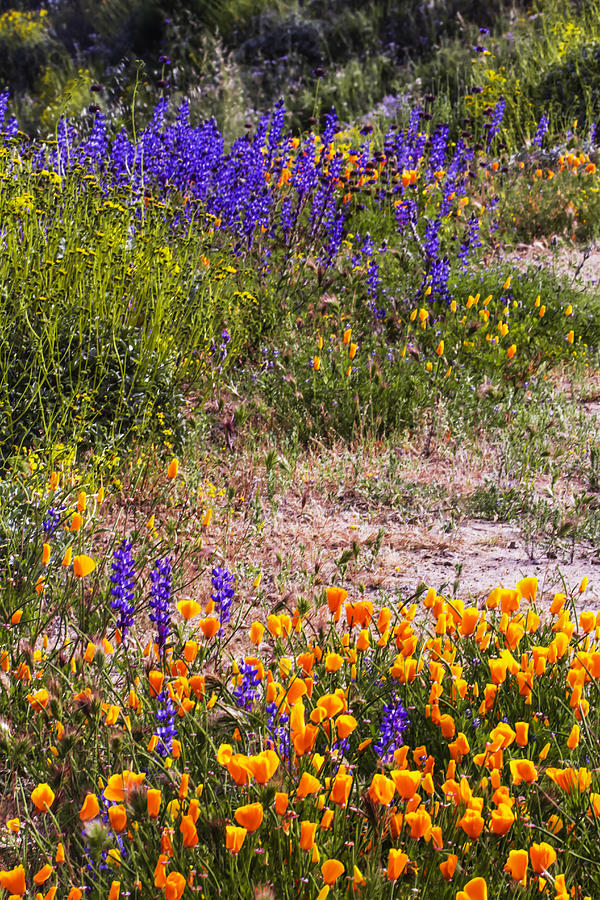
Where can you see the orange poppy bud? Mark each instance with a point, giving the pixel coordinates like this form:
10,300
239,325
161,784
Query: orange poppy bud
468,621
90,808
250,816
307,835
447,726
156,680
522,732
75,894
573,739
43,874
281,803
256,633
60,853
118,817
173,469
115,890
234,838
326,820
331,870
45,554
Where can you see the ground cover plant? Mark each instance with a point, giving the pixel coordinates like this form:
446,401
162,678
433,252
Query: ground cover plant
243,376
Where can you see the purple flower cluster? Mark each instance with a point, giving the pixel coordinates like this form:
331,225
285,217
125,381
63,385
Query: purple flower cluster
247,691
166,730
52,520
122,580
541,131
160,600
495,122
278,730
223,583
394,723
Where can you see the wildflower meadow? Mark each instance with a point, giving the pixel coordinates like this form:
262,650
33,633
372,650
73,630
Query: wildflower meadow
299,459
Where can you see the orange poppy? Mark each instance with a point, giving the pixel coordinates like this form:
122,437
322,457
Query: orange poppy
234,838
308,784
307,835
174,886
516,864
542,856
90,808
331,870
187,827
448,867
118,817
476,889
153,800
396,864
250,816
382,790
42,797
472,823
13,880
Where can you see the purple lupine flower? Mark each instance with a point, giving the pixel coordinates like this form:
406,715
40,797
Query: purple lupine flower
432,237
277,727
496,120
471,241
246,693
541,131
166,731
52,520
160,600
439,148
394,723
122,581
224,591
